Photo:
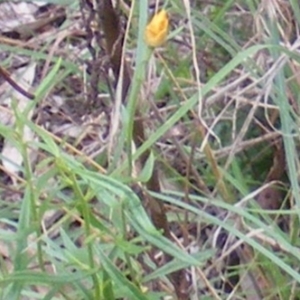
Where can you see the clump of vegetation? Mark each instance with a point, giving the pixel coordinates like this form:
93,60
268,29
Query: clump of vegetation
153,161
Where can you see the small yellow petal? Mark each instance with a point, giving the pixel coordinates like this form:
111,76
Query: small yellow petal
157,30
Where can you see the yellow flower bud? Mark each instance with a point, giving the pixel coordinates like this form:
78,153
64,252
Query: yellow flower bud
157,30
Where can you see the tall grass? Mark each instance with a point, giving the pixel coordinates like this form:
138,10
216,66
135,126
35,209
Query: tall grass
78,230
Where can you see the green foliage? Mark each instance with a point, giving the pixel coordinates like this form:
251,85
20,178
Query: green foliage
102,241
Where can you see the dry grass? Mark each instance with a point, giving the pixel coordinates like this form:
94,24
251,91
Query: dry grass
219,107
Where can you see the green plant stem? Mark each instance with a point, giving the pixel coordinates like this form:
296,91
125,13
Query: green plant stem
87,221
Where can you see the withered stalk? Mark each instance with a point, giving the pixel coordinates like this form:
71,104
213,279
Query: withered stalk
114,43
